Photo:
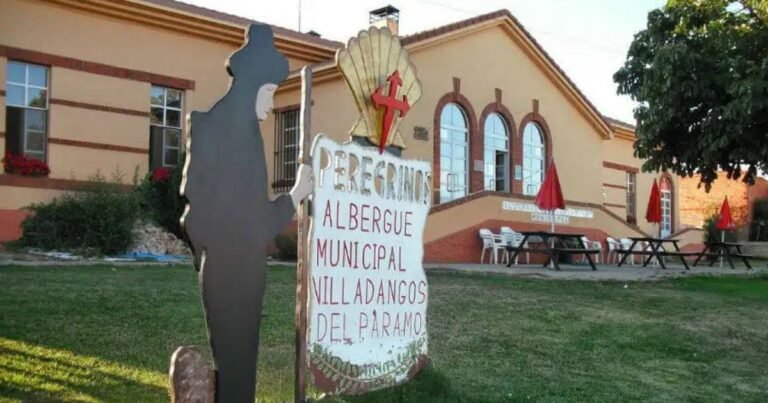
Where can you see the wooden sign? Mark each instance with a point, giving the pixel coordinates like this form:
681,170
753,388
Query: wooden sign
367,291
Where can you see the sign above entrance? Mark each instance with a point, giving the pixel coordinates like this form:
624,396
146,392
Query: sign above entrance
510,205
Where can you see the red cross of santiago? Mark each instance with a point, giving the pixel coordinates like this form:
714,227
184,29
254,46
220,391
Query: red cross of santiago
391,104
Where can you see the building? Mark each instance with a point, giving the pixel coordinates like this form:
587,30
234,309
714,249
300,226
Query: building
697,205
103,85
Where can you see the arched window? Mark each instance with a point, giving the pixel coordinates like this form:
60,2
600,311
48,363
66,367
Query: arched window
496,144
666,207
533,158
454,152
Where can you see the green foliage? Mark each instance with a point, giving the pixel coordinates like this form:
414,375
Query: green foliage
712,234
700,74
160,198
99,219
759,229
286,245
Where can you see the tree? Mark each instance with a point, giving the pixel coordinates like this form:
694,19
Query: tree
699,72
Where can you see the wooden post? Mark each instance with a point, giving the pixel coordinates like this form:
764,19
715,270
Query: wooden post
302,278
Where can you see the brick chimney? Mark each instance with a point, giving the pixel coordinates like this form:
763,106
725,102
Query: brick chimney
387,16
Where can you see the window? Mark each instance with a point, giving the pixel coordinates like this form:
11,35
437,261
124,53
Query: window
631,194
166,107
26,110
496,168
454,146
666,208
533,159
286,150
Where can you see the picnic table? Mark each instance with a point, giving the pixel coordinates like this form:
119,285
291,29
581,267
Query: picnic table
655,250
553,245
728,250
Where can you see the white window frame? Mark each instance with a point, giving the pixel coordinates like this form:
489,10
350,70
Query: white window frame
666,209
449,190
531,187
166,127
489,146
26,151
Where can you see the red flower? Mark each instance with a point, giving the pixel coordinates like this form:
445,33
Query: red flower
23,165
161,174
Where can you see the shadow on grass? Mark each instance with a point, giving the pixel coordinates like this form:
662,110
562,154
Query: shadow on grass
430,385
35,373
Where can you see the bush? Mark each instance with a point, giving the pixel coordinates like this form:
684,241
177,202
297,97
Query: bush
160,199
712,234
99,219
287,245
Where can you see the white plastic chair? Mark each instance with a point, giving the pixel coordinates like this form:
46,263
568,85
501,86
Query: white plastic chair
492,242
613,250
647,247
626,245
512,238
593,245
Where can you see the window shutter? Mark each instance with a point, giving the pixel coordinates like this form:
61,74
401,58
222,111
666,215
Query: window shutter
155,147
14,124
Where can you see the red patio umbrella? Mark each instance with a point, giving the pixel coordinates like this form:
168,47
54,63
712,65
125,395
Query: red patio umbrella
724,222
653,211
550,196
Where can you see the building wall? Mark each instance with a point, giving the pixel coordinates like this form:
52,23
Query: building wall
101,70
618,159
697,204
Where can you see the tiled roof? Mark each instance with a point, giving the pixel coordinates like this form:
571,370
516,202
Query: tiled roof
207,12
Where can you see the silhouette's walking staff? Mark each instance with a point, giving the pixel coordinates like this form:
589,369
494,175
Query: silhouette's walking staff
230,218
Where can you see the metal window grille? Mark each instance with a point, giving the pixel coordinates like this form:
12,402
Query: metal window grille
631,192
286,150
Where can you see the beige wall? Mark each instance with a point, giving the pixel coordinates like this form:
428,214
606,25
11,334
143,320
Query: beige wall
95,38
620,151
484,60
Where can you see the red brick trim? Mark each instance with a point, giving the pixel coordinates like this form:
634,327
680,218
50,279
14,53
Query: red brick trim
620,167
38,182
97,146
615,205
498,107
48,59
532,117
475,141
611,185
102,108
291,107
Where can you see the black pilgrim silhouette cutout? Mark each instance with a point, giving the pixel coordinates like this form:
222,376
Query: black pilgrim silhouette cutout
229,217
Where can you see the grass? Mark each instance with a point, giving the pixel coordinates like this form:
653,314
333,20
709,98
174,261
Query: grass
106,334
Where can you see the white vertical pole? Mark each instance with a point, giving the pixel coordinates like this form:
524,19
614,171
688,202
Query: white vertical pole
722,239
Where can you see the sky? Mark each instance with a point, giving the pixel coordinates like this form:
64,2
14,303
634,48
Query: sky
587,38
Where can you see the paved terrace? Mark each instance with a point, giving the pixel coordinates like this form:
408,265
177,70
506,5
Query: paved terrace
603,273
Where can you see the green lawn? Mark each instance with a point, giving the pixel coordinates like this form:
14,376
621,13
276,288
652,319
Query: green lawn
106,334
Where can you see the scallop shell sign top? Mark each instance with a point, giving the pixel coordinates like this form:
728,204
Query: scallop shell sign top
383,82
